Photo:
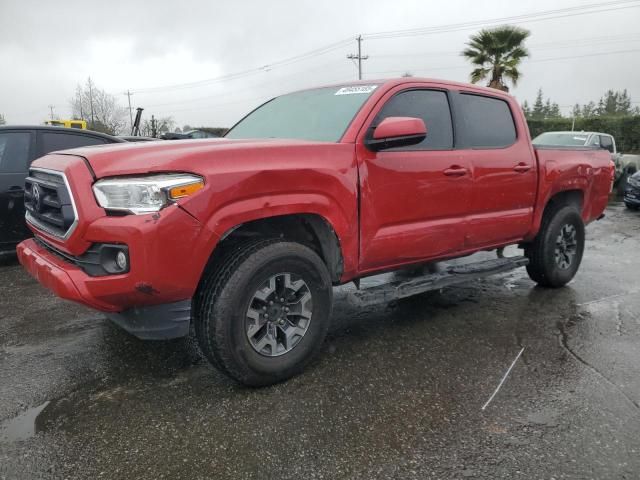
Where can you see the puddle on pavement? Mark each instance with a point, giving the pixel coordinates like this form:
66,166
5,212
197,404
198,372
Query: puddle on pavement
21,427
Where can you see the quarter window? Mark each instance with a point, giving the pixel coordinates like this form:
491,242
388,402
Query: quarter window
486,122
432,107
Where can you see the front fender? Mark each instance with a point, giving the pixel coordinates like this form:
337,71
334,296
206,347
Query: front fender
340,219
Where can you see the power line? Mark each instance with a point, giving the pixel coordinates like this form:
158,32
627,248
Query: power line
251,88
453,67
536,16
256,100
583,42
530,17
252,71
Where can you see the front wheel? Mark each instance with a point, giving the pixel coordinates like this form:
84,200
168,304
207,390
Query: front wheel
556,252
264,313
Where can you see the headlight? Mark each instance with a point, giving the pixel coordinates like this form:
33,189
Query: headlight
146,194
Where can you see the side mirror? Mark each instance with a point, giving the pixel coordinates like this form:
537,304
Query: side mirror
397,132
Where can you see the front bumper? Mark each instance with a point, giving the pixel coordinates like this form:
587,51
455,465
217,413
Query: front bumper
55,276
632,196
167,252
165,261
161,321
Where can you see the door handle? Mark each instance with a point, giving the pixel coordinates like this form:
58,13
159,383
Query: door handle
455,171
522,168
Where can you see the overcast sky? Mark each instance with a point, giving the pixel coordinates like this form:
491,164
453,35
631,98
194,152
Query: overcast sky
46,48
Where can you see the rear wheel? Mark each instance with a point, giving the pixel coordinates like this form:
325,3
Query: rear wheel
556,252
264,313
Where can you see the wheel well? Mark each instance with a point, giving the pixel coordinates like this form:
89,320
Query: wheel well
308,229
568,197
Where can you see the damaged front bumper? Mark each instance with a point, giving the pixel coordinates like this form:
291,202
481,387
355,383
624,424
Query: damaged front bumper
152,300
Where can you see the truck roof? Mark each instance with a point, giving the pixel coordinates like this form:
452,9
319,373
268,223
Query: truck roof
392,82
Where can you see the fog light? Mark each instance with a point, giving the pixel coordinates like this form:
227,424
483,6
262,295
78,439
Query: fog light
121,260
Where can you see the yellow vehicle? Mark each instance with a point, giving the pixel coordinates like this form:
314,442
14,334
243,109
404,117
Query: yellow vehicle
81,124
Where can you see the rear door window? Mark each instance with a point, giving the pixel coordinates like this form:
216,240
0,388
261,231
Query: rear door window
14,151
486,122
53,141
432,106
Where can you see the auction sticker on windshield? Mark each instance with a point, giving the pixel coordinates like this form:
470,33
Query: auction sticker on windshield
356,89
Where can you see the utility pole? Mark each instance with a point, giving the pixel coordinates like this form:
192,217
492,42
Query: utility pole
91,104
359,56
51,108
128,94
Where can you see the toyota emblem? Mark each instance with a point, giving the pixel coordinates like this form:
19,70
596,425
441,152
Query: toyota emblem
37,200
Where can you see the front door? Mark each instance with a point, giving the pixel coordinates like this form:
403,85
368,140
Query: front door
413,199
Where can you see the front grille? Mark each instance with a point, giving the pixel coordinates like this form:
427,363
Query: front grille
49,203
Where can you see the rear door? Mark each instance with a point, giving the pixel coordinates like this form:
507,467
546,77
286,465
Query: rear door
16,152
504,169
413,199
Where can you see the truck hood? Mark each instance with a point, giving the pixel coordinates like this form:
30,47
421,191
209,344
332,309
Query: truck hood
179,155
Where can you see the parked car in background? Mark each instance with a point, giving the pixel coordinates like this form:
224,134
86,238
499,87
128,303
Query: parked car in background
136,138
626,166
582,139
80,124
632,192
191,134
244,236
19,146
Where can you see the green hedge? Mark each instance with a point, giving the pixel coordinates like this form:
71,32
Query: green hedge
626,130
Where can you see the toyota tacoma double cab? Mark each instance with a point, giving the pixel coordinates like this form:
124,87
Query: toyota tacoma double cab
244,237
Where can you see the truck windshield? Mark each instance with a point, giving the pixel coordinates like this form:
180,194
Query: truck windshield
321,114
561,139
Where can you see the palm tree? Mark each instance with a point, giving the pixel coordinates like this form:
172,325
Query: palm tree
497,53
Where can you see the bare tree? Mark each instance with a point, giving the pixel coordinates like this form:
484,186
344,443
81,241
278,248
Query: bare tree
100,109
164,124
2,120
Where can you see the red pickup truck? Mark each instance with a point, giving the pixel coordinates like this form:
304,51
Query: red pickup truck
244,237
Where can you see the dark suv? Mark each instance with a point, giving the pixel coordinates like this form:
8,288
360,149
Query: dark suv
632,192
19,146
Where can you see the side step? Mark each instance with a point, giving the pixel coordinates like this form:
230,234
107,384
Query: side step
451,275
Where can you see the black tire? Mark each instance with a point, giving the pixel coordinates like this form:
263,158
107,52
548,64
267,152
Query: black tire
228,291
630,206
545,267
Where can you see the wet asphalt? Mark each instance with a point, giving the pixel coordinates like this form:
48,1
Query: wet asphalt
397,391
